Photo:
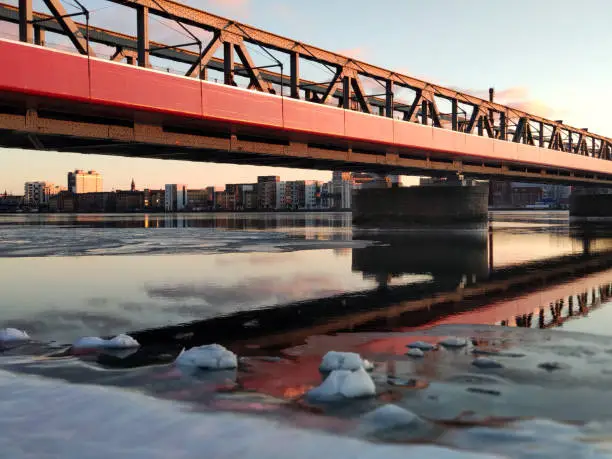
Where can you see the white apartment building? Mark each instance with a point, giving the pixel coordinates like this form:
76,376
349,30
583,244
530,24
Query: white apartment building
176,197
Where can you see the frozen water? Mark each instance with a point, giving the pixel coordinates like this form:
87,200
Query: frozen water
95,342
343,361
13,334
342,384
208,357
39,415
422,345
415,352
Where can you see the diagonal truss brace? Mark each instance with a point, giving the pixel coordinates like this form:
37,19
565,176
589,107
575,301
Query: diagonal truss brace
68,25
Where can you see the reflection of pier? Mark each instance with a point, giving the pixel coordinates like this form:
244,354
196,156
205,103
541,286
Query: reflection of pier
452,258
530,288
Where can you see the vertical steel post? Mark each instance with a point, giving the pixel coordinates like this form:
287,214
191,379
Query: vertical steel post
26,30
455,115
39,35
389,99
346,92
228,63
142,27
424,111
295,74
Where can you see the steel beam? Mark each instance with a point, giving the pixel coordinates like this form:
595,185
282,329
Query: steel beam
228,63
142,31
294,72
254,74
69,26
26,32
198,68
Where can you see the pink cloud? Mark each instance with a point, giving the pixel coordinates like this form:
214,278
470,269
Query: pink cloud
358,52
518,97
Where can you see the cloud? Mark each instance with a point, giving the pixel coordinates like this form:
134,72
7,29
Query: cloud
518,97
358,52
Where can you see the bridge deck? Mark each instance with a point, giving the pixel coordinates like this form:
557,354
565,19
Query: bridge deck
86,104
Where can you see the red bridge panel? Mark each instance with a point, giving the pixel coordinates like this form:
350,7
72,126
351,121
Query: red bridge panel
63,77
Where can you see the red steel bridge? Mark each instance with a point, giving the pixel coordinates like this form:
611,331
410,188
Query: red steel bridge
76,101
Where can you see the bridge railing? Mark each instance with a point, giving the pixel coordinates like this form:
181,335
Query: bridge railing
420,102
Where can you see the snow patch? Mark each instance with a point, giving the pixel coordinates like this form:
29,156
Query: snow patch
343,384
13,334
334,360
95,342
208,357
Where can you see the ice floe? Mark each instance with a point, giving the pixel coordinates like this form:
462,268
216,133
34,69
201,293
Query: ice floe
422,345
343,384
95,342
12,335
334,360
208,357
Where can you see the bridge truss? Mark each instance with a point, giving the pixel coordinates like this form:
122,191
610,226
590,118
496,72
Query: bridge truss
346,88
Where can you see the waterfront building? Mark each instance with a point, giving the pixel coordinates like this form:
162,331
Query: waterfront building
312,194
84,182
342,187
129,201
154,199
34,193
267,192
175,198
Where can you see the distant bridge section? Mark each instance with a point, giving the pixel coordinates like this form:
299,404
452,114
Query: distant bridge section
363,118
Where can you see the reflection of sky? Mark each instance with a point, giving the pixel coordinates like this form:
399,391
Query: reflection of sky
83,295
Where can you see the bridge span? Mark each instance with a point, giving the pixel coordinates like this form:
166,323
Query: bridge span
76,102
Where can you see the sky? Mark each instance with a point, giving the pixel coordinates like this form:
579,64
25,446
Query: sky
549,57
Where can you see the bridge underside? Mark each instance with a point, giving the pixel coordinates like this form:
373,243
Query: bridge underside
81,128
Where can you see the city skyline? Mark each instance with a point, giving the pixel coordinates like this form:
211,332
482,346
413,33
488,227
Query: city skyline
521,79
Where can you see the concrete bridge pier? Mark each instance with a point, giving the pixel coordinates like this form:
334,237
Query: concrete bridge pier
590,203
451,203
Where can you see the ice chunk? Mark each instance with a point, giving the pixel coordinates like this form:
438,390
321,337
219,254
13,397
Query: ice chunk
95,342
415,352
343,361
422,345
454,342
209,357
484,362
122,342
13,334
342,384
389,417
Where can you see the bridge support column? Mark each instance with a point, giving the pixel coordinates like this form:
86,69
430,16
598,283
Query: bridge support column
421,205
591,203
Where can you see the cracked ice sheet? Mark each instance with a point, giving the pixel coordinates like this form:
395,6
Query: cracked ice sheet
42,418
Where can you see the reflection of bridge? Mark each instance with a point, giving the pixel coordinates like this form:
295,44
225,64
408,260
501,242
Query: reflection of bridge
509,293
86,104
